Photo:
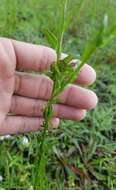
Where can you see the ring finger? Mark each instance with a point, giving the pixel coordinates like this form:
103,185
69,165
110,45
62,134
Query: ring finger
40,87
34,108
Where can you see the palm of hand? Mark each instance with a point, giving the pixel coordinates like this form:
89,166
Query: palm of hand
25,95
7,78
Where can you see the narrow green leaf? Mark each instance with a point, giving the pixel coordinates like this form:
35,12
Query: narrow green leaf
108,36
113,31
92,45
68,59
51,38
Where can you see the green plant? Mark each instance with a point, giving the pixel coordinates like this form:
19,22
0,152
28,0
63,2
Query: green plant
62,73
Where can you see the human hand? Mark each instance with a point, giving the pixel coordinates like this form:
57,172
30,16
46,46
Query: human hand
25,94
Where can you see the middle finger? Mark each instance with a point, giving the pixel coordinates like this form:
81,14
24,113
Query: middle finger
34,108
40,87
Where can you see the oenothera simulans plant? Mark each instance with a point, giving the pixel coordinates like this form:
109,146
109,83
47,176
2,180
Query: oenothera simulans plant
63,73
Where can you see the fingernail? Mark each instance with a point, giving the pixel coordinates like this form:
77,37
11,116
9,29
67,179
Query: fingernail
54,123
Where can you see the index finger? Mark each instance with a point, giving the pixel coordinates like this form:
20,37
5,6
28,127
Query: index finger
33,57
40,58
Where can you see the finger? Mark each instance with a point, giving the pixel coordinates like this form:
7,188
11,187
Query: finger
87,75
33,57
33,107
33,86
17,125
39,58
78,97
41,87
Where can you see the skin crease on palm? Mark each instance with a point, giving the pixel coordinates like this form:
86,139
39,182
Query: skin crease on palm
23,95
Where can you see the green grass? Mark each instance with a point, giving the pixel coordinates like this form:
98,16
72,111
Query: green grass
84,153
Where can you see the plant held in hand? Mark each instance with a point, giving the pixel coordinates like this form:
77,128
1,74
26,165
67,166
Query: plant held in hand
63,73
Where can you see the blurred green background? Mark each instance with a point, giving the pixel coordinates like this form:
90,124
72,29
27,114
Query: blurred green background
88,147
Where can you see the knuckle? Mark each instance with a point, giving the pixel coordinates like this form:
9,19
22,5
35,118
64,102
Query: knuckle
45,88
17,83
13,104
57,110
68,94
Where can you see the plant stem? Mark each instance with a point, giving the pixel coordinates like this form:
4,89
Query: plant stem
48,112
59,49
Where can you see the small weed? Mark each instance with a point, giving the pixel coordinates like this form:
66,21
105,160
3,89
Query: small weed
63,73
